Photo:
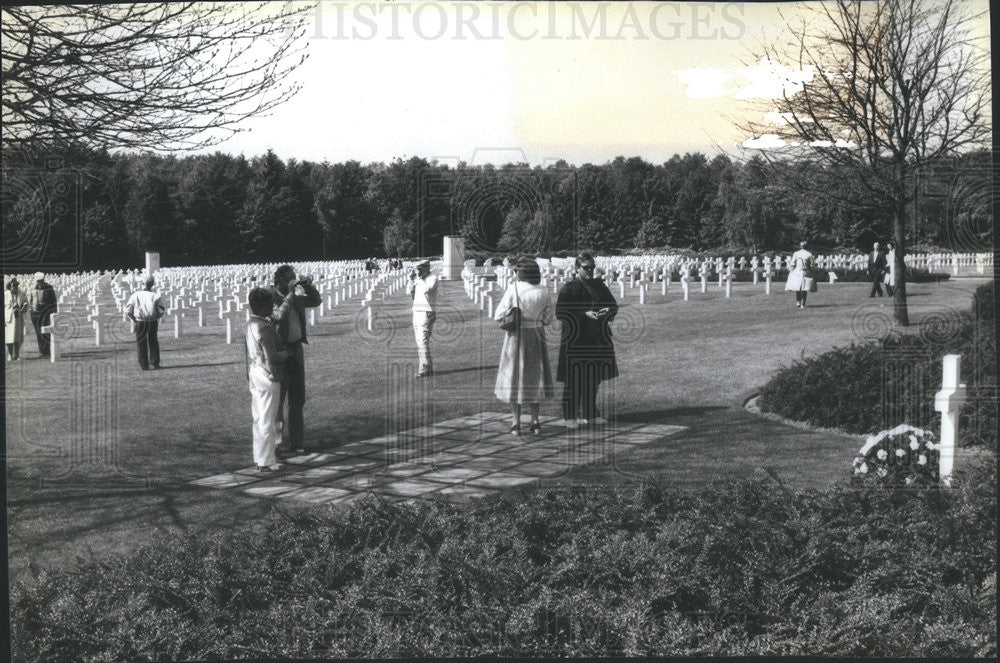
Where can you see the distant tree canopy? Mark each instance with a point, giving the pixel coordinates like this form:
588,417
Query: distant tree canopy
218,208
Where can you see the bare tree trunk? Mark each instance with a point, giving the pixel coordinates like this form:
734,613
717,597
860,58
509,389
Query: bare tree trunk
899,310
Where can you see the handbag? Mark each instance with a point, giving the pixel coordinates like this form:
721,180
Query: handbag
512,318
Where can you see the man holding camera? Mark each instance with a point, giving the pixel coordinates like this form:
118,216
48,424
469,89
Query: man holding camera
291,298
423,288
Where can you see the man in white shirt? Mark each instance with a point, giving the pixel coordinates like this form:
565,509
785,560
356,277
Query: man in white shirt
145,309
423,287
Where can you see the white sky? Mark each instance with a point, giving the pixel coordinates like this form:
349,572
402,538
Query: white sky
488,82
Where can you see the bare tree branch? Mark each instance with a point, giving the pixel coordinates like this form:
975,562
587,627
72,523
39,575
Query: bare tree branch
156,76
897,85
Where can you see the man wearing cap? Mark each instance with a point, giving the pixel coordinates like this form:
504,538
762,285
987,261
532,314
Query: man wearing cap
423,288
145,309
42,305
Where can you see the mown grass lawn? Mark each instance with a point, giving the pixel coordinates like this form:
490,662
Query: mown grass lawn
684,363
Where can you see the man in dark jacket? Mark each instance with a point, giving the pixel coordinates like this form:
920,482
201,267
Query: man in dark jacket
291,298
585,307
42,305
876,269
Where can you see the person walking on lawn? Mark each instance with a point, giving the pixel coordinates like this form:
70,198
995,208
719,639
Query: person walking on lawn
423,288
876,269
800,277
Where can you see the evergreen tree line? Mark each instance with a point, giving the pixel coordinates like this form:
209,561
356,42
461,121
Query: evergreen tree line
219,208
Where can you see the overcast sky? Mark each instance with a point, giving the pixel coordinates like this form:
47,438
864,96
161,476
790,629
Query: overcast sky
500,82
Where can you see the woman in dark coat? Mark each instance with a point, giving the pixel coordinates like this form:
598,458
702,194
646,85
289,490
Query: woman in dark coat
586,352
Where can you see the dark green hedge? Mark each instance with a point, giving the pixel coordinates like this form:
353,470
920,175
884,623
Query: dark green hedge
747,568
870,387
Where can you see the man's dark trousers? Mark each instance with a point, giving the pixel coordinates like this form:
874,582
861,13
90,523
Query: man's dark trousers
877,279
147,344
294,389
43,339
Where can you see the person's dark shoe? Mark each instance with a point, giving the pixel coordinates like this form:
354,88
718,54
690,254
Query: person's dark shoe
145,368
156,367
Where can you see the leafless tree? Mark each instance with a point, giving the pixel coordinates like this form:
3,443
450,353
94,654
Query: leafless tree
158,76
896,86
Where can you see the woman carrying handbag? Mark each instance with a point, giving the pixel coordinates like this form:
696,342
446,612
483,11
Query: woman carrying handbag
800,278
524,376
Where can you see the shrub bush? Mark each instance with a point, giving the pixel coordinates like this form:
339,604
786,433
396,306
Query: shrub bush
746,568
844,388
984,302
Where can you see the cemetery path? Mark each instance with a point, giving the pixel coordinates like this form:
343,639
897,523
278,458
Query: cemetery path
102,458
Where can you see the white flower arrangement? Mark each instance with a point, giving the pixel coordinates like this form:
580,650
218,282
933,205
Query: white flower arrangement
904,455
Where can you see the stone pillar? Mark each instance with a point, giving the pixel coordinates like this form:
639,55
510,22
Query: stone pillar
152,263
454,257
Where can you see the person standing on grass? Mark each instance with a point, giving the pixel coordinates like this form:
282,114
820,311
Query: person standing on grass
423,288
42,304
290,298
876,269
15,305
800,277
145,309
524,375
585,307
265,364
890,273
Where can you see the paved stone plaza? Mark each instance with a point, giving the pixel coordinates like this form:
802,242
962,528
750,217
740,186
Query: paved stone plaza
461,458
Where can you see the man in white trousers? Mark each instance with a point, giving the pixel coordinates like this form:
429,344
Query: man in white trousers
423,288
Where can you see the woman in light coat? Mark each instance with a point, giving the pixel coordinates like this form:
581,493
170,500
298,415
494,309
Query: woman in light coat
890,268
524,376
800,275
15,306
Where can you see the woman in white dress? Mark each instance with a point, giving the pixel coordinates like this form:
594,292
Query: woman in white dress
800,275
524,375
890,268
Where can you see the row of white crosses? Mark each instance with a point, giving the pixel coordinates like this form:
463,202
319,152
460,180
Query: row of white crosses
189,291
625,274
227,289
950,262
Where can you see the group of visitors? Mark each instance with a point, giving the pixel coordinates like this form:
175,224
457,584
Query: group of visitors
39,305
276,333
585,308
275,336
881,270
